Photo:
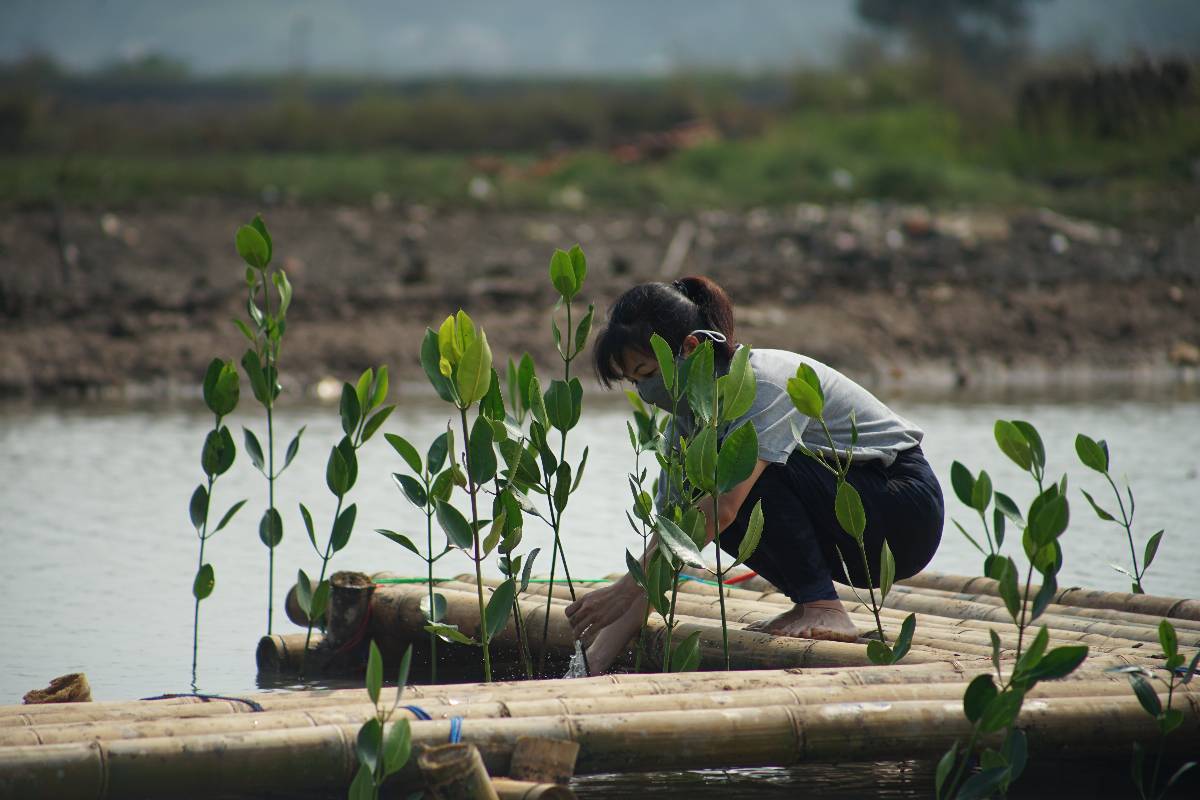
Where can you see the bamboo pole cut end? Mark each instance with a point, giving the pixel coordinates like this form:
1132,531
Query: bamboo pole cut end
70,688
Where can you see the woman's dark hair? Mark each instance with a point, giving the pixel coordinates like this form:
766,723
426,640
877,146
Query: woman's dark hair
672,310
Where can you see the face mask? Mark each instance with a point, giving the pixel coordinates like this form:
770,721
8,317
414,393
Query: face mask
653,390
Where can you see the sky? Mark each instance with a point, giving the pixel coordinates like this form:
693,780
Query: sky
403,37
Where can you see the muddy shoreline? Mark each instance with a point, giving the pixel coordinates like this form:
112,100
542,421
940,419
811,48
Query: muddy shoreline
102,303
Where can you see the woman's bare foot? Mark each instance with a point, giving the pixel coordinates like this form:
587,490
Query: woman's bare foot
821,619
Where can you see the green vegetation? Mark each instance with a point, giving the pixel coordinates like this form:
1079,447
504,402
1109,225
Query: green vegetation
890,132
221,397
809,399
261,363
992,704
382,749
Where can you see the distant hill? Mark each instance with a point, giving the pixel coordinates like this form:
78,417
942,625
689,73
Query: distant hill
403,37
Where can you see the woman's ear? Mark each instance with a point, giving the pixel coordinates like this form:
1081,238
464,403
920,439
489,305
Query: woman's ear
689,344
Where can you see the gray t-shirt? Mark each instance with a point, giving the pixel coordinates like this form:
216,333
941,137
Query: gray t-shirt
882,433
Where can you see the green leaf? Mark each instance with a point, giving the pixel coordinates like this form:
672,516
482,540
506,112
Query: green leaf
369,743
363,785
1168,638
1091,453
1146,695
1013,444
252,247
436,612
1058,663
343,526
665,358
995,648
320,601
560,405
737,457
562,274
350,409
397,746
1100,512
1033,654
203,583
944,766
740,386
584,328
304,592
678,543
438,449
579,472
1008,587
399,539
1006,506
308,526
1001,711
412,488
450,633
198,507
292,449
887,571
270,528
848,508
258,379
1045,595
878,652
259,225
474,374
456,526
233,509
1151,551
635,569
499,607
701,382
578,265
374,672
218,453
983,784
562,486
963,482
701,460
685,656
980,692
1037,450
754,529
337,473
497,529
1049,519
525,573
904,641
482,464
376,422
430,361
221,387
806,393
981,496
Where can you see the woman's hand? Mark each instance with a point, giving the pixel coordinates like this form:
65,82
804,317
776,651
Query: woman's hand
600,608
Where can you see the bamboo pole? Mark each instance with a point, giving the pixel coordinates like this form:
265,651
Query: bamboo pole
455,772
509,789
322,759
636,701
429,697
1154,605
283,653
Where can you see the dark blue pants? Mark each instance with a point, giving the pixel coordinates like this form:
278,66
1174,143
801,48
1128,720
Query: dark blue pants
801,536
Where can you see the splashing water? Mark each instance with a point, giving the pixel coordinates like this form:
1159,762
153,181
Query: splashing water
576,669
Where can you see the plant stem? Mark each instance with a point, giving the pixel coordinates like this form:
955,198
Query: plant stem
671,620
1021,624
199,564
720,582
271,506
473,490
429,563
948,791
324,565
1127,522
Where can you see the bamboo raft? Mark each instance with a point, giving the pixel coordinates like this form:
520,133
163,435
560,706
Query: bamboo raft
788,701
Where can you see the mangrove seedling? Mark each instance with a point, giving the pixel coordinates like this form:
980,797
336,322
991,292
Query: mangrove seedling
428,485
382,746
362,413
646,437
992,702
1094,455
560,409
261,364
458,362
1166,717
221,396
717,461
809,399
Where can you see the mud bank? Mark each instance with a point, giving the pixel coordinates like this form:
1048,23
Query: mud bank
99,302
